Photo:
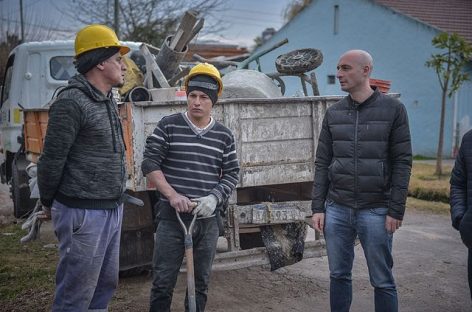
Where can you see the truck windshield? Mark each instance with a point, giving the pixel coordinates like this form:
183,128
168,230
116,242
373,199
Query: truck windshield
62,67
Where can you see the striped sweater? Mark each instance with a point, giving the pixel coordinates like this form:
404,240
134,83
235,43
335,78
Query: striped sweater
194,164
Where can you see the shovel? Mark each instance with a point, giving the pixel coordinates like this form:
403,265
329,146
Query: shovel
188,243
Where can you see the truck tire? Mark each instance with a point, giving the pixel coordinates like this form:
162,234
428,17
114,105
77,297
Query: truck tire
299,61
20,192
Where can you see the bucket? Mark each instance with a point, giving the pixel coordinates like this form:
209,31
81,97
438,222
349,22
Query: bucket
382,85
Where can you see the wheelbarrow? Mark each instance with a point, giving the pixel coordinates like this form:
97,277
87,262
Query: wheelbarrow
188,243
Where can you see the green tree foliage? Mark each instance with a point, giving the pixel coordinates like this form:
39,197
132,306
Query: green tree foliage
449,66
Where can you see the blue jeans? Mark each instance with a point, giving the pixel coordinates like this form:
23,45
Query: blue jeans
168,255
89,250
342,225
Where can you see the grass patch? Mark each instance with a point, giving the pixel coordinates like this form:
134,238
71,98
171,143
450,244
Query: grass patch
421,157
427,206
26,271
425,185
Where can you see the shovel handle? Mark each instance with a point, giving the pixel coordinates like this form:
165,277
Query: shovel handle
182,224
188,243
190,277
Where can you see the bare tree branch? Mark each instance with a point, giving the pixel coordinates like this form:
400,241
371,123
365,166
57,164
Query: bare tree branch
149,20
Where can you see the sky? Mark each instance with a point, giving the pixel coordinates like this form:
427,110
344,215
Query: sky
245,19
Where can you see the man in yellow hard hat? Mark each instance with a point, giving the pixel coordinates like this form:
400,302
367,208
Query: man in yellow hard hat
82,174
190,157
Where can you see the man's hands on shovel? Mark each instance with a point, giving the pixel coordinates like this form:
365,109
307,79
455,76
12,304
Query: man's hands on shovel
202,206
182,203
206,206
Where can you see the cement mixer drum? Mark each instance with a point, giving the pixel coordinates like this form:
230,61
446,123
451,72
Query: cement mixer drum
247,83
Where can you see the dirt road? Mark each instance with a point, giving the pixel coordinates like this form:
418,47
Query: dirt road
430,270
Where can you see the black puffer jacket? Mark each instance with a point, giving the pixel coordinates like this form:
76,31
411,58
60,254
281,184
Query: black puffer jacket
363,159
461,181
83,161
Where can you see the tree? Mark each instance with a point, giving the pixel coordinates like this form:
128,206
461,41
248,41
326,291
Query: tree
36,29
449,65
295,7
258,42
148,21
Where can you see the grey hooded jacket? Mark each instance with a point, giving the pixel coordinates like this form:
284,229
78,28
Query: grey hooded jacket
83,161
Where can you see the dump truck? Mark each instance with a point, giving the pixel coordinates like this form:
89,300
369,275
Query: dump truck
276,140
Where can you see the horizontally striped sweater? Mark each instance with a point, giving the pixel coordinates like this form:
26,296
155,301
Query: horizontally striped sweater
194,164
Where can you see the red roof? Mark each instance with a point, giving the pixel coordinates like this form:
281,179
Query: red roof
447,15
212,50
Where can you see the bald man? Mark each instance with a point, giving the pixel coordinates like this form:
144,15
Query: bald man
362,170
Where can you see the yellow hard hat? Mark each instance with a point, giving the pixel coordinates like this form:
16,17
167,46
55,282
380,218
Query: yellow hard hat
97,36
205,69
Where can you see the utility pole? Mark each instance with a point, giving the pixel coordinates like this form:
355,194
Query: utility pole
22,23
117,8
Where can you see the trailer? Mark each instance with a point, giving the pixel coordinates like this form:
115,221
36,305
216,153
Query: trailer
276,141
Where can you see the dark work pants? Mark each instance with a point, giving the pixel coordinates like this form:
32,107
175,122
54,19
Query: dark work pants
168,255
465,229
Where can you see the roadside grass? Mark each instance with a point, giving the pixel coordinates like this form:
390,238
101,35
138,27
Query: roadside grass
425,185
427,206
422,157
26,272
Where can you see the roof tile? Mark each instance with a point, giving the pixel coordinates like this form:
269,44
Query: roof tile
447,15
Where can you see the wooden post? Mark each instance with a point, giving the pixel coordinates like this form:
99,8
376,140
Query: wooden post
184,31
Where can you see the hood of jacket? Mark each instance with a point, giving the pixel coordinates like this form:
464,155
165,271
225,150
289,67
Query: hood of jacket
80,82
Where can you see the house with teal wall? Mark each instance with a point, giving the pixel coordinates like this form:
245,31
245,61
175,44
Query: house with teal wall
398,34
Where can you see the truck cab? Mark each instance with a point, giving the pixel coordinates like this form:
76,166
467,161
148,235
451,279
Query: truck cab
34,71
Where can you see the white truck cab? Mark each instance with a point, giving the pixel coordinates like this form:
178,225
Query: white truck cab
34,71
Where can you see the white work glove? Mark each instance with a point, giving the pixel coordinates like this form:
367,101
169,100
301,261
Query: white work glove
32,172
206,205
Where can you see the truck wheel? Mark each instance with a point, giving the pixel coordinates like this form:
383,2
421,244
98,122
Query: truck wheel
20,192
299,61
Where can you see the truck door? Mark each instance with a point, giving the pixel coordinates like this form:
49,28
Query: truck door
5,157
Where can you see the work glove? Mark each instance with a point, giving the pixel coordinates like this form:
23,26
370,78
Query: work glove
206,205
32,172
34,221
